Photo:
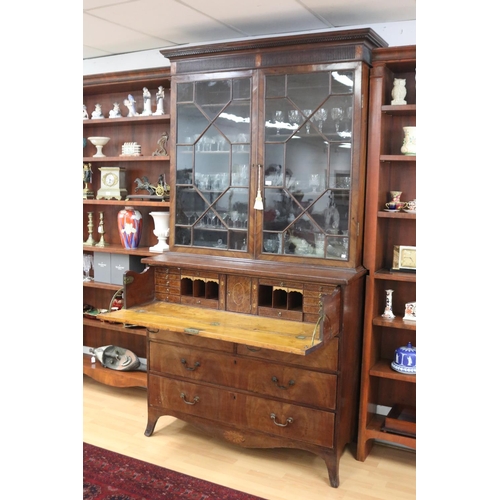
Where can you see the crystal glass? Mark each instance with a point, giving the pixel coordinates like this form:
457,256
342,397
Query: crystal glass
308,113
294,117
320,116
279,119
88,262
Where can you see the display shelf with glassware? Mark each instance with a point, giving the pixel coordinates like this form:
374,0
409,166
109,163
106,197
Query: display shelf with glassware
130,167
386,388
255,325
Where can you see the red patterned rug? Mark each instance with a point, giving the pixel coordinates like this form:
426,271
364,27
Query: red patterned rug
111,476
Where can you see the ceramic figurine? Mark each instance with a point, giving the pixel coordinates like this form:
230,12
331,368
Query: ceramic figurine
410,311
160,96
130,103
399,91
146,94
115,112
85,114
161,150
97,113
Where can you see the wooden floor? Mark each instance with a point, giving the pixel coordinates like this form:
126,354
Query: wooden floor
115,419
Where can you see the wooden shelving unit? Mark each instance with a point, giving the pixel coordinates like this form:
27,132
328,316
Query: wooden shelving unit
382,387
106,89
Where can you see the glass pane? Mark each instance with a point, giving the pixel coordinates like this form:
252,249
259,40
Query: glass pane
275,86
185,162
337,248
235,120
340,166
342,82
242,88
274,161
190,206
338,122
307,164
213,96
278,126
190,123
308,90
185,92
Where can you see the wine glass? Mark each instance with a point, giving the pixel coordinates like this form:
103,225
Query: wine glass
190,214
294,117
320,116
308,113
279,119
337,115
88,262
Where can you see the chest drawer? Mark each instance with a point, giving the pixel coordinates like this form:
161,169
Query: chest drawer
245,411
187,339
289,383
194,364
270,379
199,301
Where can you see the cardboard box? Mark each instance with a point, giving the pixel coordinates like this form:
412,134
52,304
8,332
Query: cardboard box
120,263
102,267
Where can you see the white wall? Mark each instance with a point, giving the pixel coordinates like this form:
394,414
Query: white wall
395,34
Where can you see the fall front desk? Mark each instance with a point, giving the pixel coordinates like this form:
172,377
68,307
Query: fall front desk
261,354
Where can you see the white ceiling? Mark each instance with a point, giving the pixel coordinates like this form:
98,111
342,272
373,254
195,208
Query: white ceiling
112,27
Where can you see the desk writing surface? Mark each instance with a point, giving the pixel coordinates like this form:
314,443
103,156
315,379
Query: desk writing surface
252,330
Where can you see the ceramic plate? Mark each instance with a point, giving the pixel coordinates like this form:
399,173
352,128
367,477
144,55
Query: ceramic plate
389,210
410,211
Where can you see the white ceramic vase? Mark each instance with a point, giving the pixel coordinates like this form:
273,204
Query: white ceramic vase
161,231
410,141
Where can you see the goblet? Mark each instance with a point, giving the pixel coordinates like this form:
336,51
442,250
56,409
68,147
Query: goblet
279,119
337,115
99,143
88,261
294,117
320,116
308,112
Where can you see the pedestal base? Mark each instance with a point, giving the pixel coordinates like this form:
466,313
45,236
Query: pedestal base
160,248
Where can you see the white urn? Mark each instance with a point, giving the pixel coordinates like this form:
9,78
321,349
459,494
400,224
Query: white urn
161,231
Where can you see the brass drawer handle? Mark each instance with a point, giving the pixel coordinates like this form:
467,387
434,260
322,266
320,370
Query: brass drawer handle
253,349
290,383
289,420
195,400
196,365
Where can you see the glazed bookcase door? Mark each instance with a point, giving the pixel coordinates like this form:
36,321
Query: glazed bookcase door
310,168
213,164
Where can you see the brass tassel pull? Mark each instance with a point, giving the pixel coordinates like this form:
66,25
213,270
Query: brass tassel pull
258,205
